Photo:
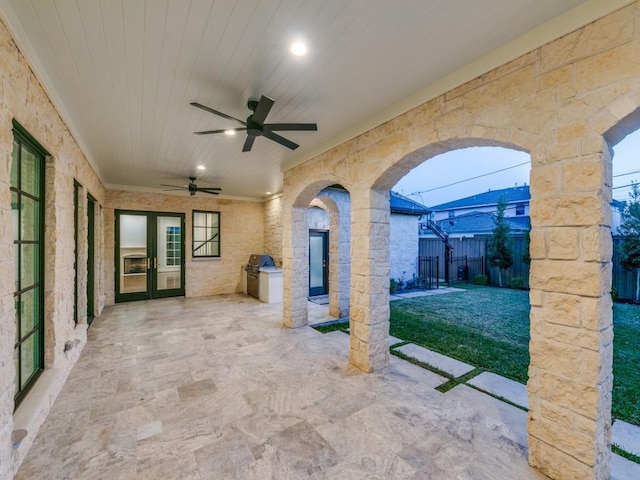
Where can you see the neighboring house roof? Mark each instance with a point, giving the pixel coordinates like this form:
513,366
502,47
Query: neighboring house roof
618,204
406,206
511,195
481,222
397,203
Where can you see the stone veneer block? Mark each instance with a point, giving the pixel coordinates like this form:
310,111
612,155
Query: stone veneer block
436,360
626,436
502,387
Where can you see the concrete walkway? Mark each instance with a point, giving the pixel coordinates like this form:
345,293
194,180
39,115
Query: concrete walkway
423,293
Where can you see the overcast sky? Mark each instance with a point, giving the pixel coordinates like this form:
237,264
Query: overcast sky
450,176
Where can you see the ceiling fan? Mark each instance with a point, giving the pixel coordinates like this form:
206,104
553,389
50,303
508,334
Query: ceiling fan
193,188
255,126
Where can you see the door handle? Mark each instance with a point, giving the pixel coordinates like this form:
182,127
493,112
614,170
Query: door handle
155,262
148,260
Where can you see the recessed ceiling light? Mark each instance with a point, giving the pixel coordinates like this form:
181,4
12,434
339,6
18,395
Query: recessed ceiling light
230,131
268,193
201,167
298,49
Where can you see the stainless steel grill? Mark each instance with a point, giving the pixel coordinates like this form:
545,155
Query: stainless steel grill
253,272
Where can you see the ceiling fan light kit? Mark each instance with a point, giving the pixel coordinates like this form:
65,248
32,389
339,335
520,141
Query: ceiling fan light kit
192,188
255,126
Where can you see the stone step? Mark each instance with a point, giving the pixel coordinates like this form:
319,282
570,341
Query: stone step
626,436
446,364
502,387
623,469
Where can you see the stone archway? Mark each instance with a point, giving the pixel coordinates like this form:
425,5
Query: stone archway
337,205
295,249
556,102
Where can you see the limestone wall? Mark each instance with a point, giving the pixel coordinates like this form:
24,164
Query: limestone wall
317,218
23,99
273,228
565,103
242,233
403,246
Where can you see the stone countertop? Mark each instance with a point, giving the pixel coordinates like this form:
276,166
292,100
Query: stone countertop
270,269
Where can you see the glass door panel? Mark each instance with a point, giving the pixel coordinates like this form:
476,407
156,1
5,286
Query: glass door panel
150,252
133,255
168,259
318,275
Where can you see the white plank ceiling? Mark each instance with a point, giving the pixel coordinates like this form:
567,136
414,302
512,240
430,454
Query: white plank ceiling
123,72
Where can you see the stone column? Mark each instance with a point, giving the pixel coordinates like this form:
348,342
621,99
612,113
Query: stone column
295,265
342,265
570,375
338,205
369,320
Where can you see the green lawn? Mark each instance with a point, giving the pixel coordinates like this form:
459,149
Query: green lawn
489,328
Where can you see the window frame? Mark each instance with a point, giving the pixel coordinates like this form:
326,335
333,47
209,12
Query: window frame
23,139
217,236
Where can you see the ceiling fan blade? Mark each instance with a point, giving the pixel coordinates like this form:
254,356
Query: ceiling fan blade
209,191
215,112
180,187
205,189
281,140
209,132
262,110
248,143
274,127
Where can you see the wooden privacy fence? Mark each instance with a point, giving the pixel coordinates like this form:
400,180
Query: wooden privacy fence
470,255
472,252
623,281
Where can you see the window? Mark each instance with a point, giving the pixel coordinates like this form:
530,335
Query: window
173,238
27,206
206,234
520,209
452,213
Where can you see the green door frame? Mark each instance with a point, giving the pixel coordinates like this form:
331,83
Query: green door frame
324,288
152,251
91,205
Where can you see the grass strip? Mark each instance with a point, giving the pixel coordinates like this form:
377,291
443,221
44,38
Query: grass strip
342,325
623,453
454,382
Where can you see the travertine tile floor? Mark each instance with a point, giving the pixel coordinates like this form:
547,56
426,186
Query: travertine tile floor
215,388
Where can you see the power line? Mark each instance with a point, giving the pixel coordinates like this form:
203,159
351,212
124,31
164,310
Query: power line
625,174
468,179
623,186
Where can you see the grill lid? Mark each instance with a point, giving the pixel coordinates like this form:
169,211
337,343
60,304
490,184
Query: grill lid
256,261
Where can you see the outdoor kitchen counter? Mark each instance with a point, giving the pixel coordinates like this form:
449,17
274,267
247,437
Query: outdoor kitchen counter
270,285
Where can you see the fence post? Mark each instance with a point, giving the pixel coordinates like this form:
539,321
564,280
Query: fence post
466,268
437,272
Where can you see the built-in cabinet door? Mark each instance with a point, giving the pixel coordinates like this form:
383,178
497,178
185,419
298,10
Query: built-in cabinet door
318,262
149,255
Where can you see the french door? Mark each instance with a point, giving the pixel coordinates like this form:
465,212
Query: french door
149,255
318,262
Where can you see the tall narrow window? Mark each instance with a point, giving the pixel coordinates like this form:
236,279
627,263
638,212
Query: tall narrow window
27,204
76,231
206,234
